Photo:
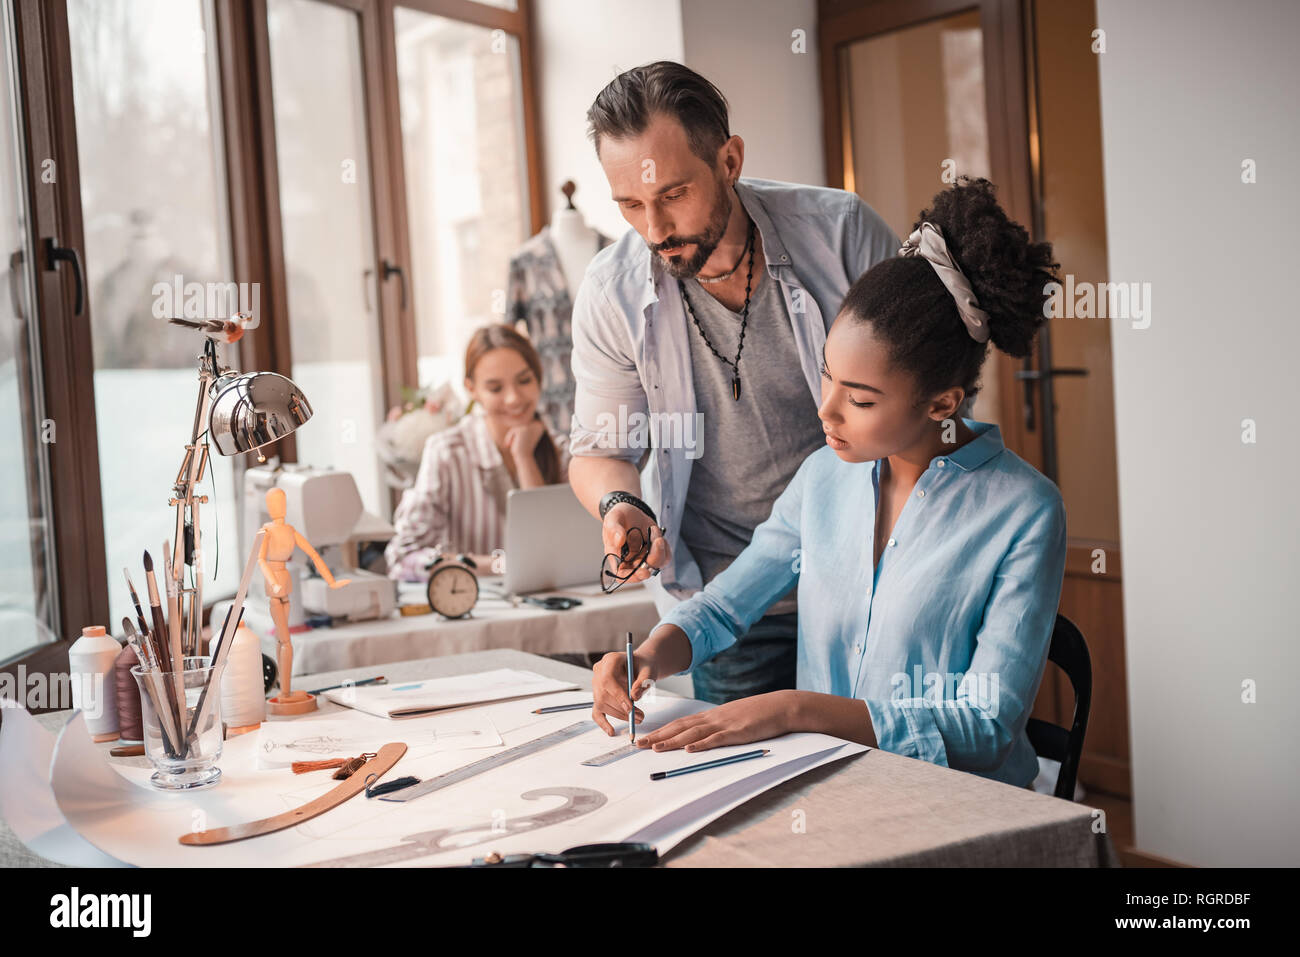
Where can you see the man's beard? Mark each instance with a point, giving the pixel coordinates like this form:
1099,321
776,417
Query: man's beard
705,243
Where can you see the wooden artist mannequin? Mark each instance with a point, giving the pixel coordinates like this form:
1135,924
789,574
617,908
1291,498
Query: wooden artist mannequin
278,545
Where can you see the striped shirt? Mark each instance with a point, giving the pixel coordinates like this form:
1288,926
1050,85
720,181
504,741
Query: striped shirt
458,500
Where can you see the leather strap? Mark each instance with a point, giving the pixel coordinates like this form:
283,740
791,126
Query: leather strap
380,764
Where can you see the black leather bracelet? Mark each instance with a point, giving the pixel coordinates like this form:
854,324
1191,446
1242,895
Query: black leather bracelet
615,498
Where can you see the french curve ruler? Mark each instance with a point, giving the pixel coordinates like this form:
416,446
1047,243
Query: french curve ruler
609,757
379,765
429,785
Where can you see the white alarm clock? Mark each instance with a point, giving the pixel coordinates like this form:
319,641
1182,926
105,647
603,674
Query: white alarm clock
453,586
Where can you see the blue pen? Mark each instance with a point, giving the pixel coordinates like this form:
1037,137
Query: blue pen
704,766
631,715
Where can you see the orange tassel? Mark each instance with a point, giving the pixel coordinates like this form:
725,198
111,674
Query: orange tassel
302,767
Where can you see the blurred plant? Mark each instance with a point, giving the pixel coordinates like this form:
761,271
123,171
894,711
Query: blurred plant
400,440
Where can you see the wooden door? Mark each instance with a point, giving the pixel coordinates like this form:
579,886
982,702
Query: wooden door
918,93
1065,118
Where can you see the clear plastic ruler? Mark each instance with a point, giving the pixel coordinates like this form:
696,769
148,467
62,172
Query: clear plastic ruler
609,757
441,781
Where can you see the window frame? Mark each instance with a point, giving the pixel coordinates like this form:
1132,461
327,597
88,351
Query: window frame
64,392
520,23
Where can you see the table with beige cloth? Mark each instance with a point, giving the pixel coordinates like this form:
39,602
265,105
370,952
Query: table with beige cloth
599,624
872,809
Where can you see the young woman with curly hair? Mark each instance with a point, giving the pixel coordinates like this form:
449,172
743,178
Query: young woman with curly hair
928,557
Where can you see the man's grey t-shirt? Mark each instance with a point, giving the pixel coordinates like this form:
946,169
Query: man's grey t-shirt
751,448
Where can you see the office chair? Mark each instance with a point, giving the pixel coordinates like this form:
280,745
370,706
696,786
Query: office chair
1070,652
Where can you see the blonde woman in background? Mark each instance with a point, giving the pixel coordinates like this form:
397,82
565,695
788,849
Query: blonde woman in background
458,502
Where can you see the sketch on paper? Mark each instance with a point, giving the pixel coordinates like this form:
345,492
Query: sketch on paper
316,744
282,743
577,802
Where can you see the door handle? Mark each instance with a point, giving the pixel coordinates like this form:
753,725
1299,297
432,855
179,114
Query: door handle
390,269
1030,376
15,278
55,254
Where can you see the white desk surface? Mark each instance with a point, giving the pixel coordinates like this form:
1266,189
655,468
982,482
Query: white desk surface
872,809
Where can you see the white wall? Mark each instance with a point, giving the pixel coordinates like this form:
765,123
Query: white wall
747,49
1210,526
581,46
743,46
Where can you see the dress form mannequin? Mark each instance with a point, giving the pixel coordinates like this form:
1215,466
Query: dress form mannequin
575,242
278,545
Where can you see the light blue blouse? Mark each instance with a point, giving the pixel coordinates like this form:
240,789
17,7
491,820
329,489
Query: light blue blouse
632,342
946,640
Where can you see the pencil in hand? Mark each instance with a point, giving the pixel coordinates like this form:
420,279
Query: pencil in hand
631,715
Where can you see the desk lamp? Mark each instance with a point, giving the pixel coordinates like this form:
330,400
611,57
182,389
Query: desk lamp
238,412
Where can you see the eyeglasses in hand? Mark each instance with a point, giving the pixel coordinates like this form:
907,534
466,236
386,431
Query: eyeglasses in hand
635,552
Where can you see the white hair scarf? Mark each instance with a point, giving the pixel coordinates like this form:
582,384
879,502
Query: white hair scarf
928,242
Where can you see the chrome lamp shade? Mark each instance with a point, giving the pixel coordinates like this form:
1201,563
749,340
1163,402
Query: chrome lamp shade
253,409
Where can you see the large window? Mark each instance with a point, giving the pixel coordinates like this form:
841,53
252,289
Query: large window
329,235
466,177
25,568
154,208
355,172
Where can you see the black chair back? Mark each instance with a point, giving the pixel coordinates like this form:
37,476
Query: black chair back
1070,652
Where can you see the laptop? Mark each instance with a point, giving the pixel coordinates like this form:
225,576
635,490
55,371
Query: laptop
551,541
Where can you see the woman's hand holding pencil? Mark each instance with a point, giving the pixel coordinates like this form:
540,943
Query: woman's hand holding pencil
609,684
666,652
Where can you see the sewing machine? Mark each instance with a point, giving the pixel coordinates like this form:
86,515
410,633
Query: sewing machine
325,506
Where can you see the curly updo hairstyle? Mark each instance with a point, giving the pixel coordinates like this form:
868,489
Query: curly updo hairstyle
910,309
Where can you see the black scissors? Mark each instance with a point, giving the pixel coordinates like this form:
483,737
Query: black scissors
585,855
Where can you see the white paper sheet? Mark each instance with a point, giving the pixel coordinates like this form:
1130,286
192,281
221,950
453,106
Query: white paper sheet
27,802
672,829
547,801
280,743
419,697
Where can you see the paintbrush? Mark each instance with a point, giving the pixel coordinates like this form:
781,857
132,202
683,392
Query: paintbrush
150,640
227,632
221,650
173,600
139,612
175,662
159,624
133,639
161,706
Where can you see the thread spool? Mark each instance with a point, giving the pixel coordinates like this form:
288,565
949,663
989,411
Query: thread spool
243,694
130,721
91,660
